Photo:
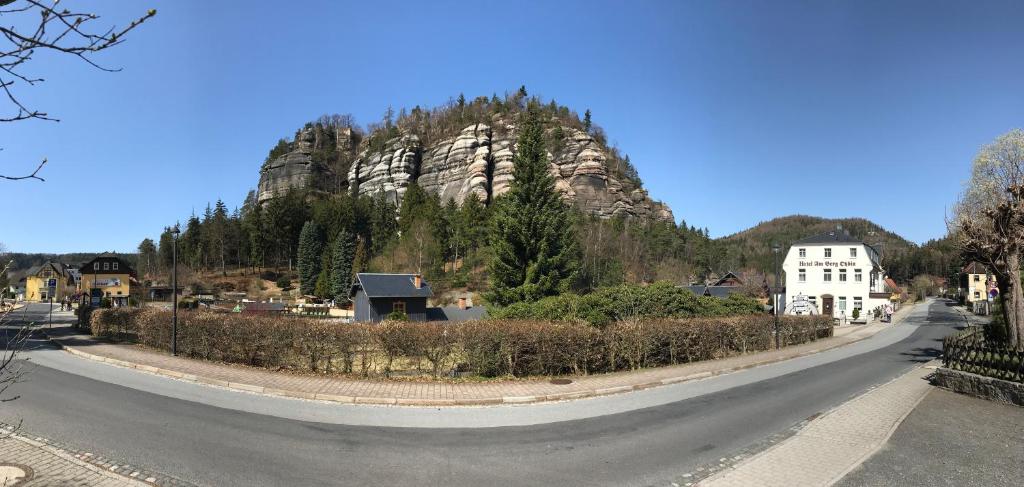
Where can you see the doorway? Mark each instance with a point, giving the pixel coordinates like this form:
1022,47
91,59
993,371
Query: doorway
826,304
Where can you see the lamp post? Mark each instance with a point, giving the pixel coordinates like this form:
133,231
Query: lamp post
775,309
174,291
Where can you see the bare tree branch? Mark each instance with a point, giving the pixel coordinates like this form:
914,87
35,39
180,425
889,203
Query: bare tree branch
55,29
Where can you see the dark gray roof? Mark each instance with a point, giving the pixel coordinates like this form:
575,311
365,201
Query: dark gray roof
390,286
833,236
453,313
697,289
722,291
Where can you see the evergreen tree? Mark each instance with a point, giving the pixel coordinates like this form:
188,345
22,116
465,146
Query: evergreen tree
343,256
586,121
531,233
147,258
310,250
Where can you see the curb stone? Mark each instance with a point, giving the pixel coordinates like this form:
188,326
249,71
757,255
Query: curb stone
390,401
127,473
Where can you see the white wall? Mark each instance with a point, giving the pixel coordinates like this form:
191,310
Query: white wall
815,263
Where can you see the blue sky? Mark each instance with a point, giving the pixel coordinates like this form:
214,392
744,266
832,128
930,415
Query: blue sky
733,112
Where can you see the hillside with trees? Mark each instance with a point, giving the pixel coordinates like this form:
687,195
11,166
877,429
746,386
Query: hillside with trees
902,259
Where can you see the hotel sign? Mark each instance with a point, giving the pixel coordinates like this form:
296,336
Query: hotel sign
113,282
827,263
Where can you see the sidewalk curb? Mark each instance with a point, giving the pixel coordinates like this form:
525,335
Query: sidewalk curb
399,401
79,462
882,442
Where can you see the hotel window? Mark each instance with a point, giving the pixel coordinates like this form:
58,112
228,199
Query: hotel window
95,266
813,300
853,252
398,306
803,253
114,266
977,278
828,253
828,275
842,275
802,276
842,303
106,266
977,294
857,277
858,303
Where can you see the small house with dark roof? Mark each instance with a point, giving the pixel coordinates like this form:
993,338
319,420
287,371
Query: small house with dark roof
375,296
975,282
38,278
107,276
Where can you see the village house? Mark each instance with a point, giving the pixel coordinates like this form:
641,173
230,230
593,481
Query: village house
975,283
835,274
376,296
38,278
107,276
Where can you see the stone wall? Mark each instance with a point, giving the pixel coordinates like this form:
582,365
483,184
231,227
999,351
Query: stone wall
979,386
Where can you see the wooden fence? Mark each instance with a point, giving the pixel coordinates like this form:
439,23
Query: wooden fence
970,352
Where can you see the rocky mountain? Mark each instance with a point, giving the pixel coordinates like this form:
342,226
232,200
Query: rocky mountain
456,160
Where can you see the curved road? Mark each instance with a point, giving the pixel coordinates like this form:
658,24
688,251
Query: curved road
212,436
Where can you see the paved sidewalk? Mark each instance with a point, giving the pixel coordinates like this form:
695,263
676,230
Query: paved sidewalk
950,440
24,461
831,446
439,393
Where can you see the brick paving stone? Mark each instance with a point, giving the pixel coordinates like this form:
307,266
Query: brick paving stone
830,446
255,379
51,466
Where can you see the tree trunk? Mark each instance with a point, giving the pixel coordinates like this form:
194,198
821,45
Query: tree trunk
1013,327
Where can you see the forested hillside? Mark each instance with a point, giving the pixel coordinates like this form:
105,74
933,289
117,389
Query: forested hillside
751,248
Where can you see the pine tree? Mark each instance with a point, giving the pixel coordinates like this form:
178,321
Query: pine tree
586,121
343,256
310,250
534,246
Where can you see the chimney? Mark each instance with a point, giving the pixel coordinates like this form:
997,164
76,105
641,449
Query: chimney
462,302
417,281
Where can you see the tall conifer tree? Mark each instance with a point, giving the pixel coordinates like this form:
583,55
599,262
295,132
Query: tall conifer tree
310,251
531,234
343,255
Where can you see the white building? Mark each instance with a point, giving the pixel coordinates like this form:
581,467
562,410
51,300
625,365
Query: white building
834,274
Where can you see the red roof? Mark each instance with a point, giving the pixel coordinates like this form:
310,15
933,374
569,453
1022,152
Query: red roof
975,268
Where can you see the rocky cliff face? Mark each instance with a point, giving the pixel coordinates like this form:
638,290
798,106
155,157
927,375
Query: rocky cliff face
478,160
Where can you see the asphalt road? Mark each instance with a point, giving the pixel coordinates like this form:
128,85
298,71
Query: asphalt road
213,445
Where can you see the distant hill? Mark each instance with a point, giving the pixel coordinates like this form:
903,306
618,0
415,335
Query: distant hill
751,248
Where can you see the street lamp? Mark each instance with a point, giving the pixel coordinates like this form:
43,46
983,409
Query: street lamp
775,309
175,232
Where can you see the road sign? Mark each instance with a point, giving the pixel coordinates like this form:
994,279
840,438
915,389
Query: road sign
51,283
95,297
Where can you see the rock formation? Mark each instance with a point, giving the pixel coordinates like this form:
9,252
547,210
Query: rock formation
478,160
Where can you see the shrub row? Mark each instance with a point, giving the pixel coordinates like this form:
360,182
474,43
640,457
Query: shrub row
488,348
607,305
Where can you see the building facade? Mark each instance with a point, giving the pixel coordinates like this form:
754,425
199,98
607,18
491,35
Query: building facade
375,296
108,275
834,274
38,279
975,282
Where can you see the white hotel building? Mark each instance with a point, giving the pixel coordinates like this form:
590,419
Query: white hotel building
833,274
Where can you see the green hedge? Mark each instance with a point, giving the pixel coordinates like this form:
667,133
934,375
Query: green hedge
610,304
489,348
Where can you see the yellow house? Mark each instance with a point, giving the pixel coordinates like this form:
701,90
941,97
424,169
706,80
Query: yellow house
108,276
38,279
975,281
